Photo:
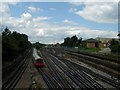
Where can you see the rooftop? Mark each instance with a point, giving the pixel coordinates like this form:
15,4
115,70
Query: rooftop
91,40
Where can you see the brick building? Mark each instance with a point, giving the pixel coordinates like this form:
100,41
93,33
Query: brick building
92,43
98,42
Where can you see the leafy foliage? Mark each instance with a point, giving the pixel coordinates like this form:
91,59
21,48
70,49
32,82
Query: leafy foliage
66,41
38,45
13,44
115,46
72,42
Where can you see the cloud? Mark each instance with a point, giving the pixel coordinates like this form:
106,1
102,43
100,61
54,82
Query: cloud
26,16
46,32
66,21
60,1
38,29
78,2
52,9
11,1
4,10
90,33
72,10
100,12
34,9
41,18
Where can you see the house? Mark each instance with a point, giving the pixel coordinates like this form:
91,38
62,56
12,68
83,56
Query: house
99,42
92,43
104,42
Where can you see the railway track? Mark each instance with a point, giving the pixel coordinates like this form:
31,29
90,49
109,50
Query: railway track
82,80
103,57
106,63
50,81
53,77
81,77
92,73
103,65
84,77
15,75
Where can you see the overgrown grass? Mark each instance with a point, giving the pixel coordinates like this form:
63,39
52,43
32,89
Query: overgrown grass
89,50
95,50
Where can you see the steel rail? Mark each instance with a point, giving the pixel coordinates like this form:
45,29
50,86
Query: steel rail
56,74
16,74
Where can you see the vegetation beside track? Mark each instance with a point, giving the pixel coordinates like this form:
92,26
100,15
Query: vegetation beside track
13,45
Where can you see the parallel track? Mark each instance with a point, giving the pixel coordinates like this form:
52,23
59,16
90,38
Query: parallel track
106,63
16,74
94,74
84,79
80,78
54,78
86,60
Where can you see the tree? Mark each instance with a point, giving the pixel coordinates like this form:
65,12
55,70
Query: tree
38,45
79,41
114,42
6,32
72,42
66,41
13,44
115,46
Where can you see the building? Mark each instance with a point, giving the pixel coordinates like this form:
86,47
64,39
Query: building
104,42
99,42
103,45
92,43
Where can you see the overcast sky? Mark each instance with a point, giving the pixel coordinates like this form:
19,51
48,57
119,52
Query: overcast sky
51,22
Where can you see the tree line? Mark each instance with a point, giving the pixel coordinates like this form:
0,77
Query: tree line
72,41
13,44
38,45
75,42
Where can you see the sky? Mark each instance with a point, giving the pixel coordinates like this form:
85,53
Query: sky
51,22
